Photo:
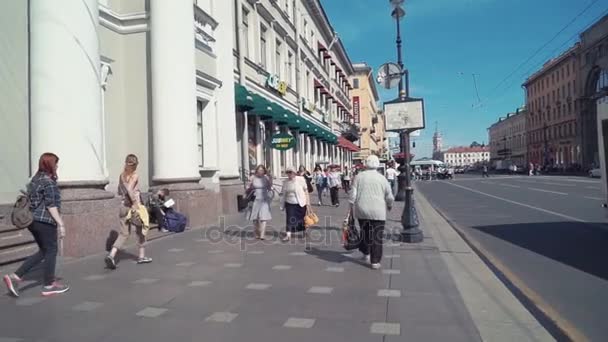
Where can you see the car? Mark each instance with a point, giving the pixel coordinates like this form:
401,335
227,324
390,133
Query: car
595,173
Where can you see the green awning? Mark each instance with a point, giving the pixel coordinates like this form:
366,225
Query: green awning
242,98
261,107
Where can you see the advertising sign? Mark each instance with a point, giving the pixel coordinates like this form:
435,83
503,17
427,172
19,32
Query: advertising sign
356,109
275,83
404,115
282,141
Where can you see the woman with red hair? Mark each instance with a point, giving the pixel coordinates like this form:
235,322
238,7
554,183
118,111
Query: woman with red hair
45,203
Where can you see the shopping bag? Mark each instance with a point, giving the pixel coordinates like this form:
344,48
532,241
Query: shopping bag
310,219
351,237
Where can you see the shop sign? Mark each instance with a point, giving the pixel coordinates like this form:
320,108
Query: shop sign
282,141
275,83
356,109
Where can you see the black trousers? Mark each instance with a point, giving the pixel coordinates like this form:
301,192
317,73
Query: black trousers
372,232
334,195
46,238
346,185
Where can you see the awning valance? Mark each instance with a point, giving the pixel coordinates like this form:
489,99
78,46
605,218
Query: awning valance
242,98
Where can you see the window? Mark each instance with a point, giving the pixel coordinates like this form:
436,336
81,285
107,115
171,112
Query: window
290,68
200,106
305,29
312,38
278,62
307,85
263,46
356,83
245,40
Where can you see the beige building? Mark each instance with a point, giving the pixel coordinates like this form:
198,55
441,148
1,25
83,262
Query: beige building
292,78
508,144
93,81
367,114
552,124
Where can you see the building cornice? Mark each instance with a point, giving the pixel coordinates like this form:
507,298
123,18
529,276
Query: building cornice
129,23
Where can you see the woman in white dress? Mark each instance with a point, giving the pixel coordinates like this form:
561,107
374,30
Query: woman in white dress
260,186
294,201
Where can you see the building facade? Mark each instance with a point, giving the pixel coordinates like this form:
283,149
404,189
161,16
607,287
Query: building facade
552,123
466,156
592,86
508,144
367,114
291,74
93,81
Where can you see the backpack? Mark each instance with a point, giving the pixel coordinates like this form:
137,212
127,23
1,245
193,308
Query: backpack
21,215
174,221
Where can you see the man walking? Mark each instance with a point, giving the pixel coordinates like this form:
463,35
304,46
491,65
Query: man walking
391,176
485,172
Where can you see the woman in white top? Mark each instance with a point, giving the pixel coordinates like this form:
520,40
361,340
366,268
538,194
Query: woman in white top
294,201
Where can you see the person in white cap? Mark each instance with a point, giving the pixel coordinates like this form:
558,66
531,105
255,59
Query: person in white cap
371,196
294,199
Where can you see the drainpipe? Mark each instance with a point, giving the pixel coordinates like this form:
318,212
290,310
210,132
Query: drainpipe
241,65
296,23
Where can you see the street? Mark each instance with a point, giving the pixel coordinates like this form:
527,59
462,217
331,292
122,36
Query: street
548,234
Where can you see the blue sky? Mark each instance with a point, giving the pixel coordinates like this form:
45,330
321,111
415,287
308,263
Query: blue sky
446,41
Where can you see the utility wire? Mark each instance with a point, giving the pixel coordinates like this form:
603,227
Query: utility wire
543,46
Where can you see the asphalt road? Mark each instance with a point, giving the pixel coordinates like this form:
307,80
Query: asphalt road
550,232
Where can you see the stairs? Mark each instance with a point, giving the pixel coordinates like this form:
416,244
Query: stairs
15,244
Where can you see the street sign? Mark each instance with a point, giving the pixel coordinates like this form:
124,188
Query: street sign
389,75
404,114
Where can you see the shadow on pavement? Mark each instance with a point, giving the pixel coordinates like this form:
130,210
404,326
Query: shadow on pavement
579,245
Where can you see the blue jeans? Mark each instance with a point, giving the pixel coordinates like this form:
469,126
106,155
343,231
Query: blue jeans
46,238
392,183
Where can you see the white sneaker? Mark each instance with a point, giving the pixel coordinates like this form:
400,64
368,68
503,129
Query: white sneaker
366,258
376,266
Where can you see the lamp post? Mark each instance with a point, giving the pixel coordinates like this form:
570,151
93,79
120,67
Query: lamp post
409,218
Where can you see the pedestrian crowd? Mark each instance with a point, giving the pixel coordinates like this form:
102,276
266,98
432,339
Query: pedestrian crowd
369,192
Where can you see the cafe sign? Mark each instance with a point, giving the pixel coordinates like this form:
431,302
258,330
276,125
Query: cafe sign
282,141
275,83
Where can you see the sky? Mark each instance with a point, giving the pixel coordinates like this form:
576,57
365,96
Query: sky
446,42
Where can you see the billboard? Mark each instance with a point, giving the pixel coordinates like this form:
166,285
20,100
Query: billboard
405,114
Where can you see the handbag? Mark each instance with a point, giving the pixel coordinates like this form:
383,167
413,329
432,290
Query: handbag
351,237
310,219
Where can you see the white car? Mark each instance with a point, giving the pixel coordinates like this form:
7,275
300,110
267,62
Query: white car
595,173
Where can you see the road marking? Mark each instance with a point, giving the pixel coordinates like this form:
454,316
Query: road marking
548,191
486,183
521,204
544,183
593,187
594,198
509,185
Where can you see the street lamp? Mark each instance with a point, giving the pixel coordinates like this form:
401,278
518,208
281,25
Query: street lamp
409,218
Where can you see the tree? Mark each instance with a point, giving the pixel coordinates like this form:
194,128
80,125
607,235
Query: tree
475,144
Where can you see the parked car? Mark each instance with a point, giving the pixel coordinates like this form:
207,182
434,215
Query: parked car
595,173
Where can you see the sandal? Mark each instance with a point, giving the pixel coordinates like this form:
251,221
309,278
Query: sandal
144,260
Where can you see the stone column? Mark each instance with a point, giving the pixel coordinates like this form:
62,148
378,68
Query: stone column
66,117
174,127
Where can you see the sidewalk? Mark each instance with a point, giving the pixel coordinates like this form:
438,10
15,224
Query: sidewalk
218,284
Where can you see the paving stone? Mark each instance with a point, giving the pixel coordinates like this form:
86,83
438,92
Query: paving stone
321,290
221,317
298,254
382,328
87,306
391,271
175,250
281,267
255,252
185,264
215,251
95,277
10,339
389,293
335,269
151,312
29,301
145,281
293,322
199,283
392,256
256,286
233,265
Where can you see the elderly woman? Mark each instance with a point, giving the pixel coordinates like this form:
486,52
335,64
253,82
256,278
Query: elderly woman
371,196
294,200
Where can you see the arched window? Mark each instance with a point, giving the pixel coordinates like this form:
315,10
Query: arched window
602,81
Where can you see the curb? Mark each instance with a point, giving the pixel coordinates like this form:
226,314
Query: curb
560,328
